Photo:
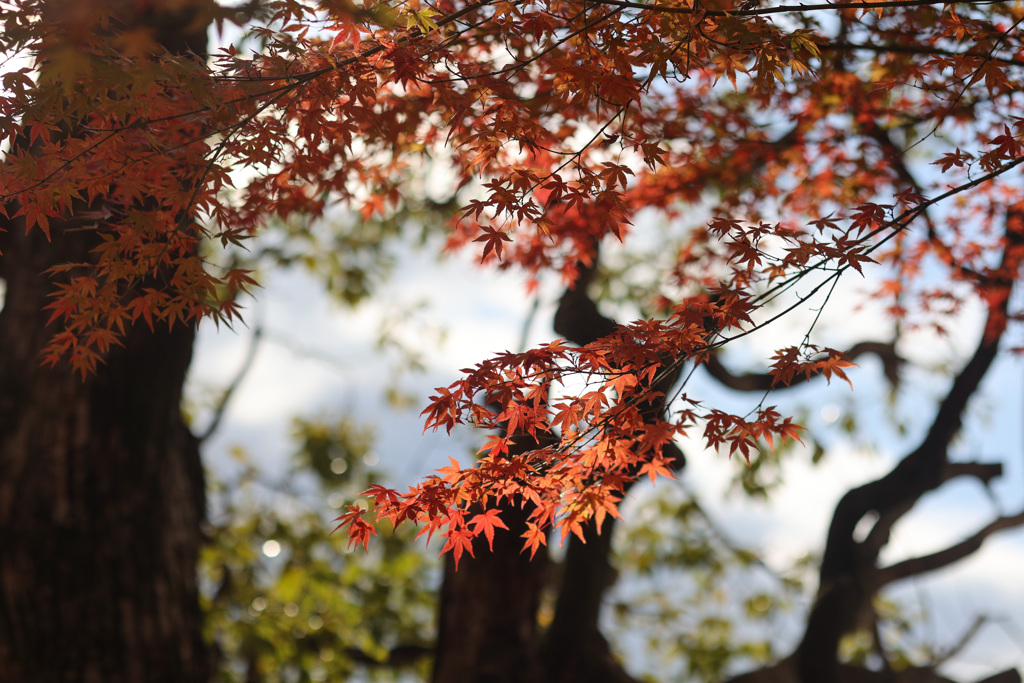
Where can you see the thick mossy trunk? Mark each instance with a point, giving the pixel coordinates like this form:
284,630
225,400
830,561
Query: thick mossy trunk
101,497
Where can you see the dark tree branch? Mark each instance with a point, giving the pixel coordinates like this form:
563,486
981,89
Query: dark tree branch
966,638
784,672
577,318
879,535
579,321
1008,676
943,558
763,381
487,619
398,656
921,50
574,648
924,469
984,472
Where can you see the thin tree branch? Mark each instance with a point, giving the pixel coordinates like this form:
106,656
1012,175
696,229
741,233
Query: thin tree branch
763,381
785,9
218,412
984,472
398,656
943,558
963,641
923,50
1008,676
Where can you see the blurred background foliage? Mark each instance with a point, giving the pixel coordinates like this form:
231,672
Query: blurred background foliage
285,600
698,605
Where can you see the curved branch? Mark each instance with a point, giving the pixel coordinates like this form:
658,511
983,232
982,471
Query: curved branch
574,649
948,653
781,9
763,381
984,472
925,468
943,558
1008,676
879,534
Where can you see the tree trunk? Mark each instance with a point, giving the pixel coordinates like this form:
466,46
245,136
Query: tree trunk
101,485
487,629
101,498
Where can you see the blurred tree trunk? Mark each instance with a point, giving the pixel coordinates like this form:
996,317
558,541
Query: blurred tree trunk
488,628
101,486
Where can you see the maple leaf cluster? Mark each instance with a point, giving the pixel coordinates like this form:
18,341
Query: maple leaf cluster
558,121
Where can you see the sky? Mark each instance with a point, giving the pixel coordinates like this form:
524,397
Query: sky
321,358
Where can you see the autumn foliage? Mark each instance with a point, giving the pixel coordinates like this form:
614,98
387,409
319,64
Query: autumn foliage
822,140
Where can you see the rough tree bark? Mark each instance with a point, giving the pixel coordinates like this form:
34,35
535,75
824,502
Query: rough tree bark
101,486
